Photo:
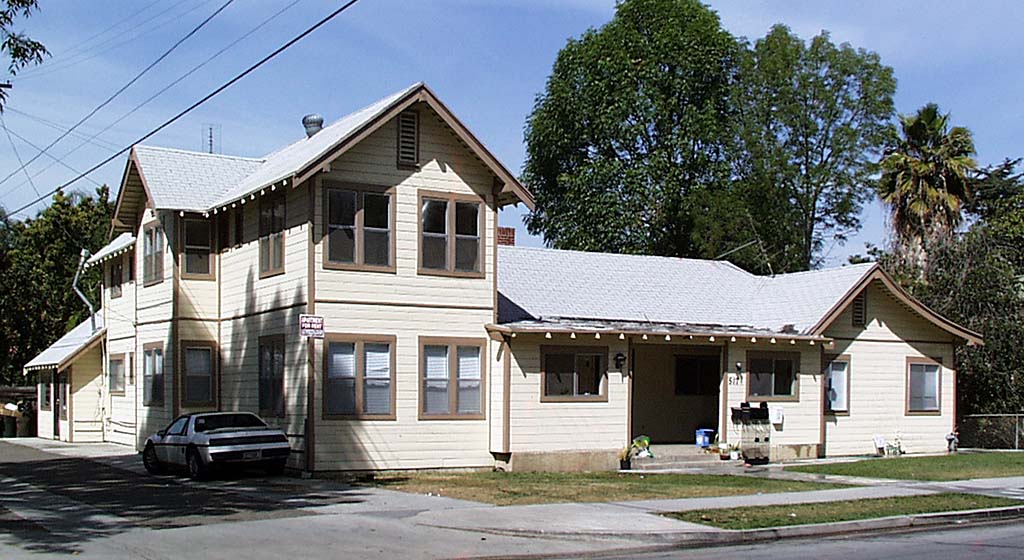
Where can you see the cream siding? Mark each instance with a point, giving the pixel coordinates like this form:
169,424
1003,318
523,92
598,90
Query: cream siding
87,393
878,356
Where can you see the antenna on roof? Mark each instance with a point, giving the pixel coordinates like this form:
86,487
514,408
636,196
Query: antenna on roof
210,138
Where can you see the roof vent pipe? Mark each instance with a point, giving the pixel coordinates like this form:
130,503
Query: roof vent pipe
74,286
314,123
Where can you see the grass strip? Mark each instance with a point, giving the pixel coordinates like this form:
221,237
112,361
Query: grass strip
961,466
760,517
503,489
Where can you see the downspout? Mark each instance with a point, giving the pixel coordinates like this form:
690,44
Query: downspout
74,286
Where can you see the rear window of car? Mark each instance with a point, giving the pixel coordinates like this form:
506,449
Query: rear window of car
207,423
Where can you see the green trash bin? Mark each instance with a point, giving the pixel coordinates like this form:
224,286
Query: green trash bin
10,426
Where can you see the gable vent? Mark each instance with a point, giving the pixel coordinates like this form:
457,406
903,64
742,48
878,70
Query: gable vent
859,310
408,139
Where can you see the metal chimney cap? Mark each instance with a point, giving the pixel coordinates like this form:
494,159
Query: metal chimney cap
313,123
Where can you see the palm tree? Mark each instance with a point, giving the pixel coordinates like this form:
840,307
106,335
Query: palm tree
926,182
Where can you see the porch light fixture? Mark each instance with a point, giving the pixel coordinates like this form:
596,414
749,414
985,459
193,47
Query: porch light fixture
572,336
732,339
597,336
739,367
547,335
772,340
622,336
812,343
513,335
792,341
753,340
645,336
620,360
668,337
711,339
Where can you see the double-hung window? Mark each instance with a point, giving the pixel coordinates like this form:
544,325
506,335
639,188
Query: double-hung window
272,234
153,255
574,373
451,235
153,374
451,378
116,374
198,243
271,387
772,375
359,377
360,228
199,365
46,390
116,277
924,378
837,385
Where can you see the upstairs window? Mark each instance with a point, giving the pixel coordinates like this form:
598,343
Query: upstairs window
152,255
360,224
198,244
408,139
116,277
272,235
772,376
451,240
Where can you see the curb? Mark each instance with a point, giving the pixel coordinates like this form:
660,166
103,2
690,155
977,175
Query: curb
723,537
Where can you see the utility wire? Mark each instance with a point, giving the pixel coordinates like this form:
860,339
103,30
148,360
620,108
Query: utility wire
206,98
62,128
173,83
124,87
55,159
17,155
103,47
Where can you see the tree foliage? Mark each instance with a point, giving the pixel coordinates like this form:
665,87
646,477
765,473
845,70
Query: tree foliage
926,182
38,260
660,133
814,118
19,49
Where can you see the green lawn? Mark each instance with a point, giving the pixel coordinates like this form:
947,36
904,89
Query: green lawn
961,466
538,488
830,512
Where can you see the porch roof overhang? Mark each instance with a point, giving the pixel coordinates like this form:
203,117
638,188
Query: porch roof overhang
67,348
686,331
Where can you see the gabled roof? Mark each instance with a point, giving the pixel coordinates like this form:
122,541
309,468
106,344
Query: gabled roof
60,354
553,286
119,245
199,182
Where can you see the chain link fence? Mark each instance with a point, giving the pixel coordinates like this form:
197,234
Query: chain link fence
992,431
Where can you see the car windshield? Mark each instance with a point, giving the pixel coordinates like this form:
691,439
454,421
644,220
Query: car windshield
218,421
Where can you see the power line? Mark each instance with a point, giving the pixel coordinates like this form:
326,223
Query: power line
17,155
160,92
126,86
102,47
55,159
206,98
62,128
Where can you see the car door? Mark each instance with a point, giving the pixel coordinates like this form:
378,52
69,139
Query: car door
174,441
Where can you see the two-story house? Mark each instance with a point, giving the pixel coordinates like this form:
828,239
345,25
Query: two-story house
441,348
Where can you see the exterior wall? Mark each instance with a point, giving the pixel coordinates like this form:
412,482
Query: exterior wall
87,396
406,305
878,379
537,426
800,431
119,418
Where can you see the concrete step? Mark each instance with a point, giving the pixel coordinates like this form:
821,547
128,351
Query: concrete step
675,457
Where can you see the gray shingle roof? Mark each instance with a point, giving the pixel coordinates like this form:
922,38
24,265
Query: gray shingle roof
68,345
190,181
120,244
553,285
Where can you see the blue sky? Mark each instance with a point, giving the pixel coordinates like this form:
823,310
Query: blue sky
487,60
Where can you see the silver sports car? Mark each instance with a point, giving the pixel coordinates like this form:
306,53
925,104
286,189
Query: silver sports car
203,441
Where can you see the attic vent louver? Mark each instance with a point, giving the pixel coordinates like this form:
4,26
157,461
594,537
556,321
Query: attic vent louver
408,139
859,310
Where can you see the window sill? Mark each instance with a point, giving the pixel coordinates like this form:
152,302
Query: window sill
449,273
924,413
153,404
328,265
204,277
271,273
447,417
153,282
358,417
837,413
117,393
573,399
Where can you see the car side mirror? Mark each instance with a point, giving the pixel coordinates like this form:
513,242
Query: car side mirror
162,433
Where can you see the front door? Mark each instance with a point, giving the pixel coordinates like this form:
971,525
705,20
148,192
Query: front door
675,392
59,410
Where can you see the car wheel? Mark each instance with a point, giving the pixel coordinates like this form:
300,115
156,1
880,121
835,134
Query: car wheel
276,468
196,469
150,460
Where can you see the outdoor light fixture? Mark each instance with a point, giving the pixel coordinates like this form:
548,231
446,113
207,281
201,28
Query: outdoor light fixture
620,360
739,367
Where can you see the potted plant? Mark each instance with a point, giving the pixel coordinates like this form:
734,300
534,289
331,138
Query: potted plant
734,452
723,450
626,458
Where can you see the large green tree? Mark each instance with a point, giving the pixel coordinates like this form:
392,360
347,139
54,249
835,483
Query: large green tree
630,138
19,49
814,117
926,182
38,260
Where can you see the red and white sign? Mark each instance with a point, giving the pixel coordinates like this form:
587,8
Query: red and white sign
311,326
